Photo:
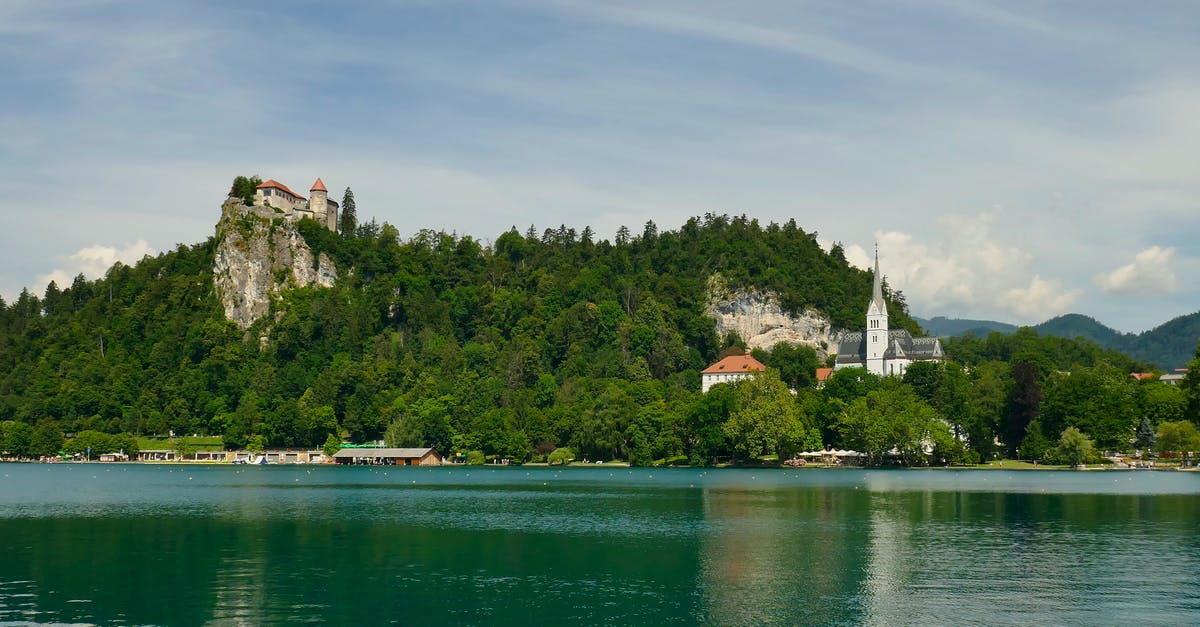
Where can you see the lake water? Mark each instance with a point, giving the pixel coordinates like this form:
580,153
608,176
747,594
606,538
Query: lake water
130,544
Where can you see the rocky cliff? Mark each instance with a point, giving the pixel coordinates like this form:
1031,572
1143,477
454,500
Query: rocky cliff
758,319
258,255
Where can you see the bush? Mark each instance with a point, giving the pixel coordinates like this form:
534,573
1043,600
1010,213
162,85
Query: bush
475,458
560,456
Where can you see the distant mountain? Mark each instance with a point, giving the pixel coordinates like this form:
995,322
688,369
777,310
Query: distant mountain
950,327
1169,345
1079,325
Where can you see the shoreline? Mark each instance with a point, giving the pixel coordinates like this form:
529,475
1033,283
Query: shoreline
764,467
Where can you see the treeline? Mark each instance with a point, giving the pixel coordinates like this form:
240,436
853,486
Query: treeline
515,348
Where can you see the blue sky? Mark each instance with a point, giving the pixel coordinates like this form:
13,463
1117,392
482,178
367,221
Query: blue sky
1015,160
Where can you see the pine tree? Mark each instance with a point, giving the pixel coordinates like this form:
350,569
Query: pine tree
1145,435
348,222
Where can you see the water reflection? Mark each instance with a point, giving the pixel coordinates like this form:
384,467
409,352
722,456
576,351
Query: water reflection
197,545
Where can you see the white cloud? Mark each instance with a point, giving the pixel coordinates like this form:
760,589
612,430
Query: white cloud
92,262
1150,273
961,268
1040,299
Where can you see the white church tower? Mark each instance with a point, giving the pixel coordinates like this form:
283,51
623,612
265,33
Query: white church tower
877,325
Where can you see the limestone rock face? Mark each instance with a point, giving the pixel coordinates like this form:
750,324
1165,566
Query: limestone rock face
758,319
259,254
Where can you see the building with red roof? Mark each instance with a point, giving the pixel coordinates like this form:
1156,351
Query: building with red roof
730,369
294,207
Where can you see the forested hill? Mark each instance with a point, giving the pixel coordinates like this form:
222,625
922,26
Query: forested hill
506,332
532,343
1169,345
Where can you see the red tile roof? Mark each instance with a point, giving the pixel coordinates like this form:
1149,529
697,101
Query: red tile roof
1142,376
735,363
318,186
277,185
823,374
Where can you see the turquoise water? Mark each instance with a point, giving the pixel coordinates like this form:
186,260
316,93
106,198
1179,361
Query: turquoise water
130,544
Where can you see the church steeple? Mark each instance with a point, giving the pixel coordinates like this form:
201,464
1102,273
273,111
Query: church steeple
877,324
877,304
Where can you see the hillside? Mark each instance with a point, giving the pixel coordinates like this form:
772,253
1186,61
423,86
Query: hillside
942,326
1167,346
530,335
290,335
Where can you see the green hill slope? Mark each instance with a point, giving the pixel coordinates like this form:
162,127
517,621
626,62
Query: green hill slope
526,341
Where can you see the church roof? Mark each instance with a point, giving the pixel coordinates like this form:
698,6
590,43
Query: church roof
877,290
318,186
277,185
735,363
852,348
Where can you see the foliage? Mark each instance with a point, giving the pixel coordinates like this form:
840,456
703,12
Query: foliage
348,218
560,456
244,187
475,458
894,418
1074,448
332,445
1146,438
536,342
94,443
1178,437
766,420
16,439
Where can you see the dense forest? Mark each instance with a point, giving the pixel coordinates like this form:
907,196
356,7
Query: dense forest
1168,345
532,343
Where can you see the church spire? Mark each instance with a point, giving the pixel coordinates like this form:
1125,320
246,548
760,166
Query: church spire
877,292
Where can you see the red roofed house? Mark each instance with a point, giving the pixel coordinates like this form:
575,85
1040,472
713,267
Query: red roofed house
823,375
732,368
319,207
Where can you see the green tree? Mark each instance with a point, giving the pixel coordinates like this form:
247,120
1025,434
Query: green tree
18,439
348,219
894,418
46,440
1023,406
1074,448
797,364
560,456
766,419
1162,403
244,187
332,445
1146,437
1179,437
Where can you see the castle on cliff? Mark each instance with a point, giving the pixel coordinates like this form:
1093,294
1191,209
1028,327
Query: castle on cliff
319,206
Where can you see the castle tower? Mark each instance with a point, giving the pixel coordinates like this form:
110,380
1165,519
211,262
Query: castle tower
877,324
318,202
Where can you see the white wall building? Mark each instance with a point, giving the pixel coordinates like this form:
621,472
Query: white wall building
728,370
880,350
295,207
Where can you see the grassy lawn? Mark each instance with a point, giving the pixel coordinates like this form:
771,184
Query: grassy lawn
198,443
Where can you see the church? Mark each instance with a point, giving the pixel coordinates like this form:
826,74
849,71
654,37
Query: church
880,350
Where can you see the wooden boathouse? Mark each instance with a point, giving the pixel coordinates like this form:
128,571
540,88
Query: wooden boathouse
388,456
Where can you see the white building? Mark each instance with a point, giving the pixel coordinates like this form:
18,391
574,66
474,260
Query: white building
882,351
295,207
728,370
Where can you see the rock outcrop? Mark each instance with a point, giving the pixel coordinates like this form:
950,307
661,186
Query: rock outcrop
259,254
758,319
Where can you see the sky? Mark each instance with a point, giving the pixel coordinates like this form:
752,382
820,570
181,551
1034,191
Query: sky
1012,160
